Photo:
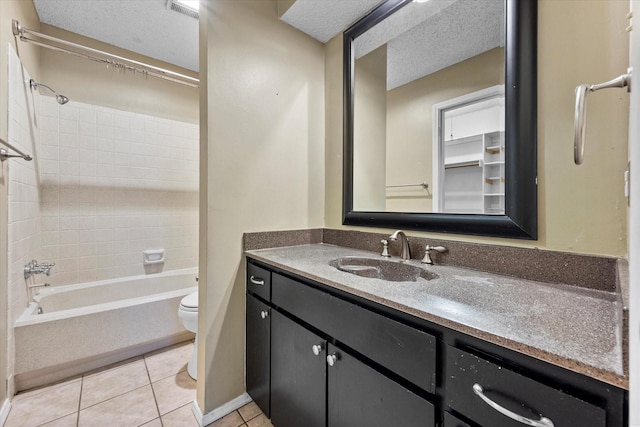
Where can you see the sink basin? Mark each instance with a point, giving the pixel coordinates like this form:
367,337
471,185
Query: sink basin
393,271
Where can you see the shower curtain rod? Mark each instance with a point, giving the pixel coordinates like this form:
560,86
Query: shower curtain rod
4,154
110,60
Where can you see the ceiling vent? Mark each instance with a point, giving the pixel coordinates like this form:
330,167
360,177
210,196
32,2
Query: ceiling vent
189,8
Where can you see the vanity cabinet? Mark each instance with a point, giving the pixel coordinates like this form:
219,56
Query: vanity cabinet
298,375
258,358
333,359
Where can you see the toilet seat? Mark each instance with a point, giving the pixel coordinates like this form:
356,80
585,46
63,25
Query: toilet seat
190,302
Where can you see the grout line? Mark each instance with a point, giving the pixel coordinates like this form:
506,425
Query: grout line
79,402
155,400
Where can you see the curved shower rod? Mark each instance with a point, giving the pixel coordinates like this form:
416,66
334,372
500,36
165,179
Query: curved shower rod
118,62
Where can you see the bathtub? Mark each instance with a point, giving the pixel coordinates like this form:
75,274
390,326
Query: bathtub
89,325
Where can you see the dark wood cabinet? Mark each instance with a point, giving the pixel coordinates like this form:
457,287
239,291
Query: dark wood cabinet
492,395
451,421
298,375
258,358
388,368
360,396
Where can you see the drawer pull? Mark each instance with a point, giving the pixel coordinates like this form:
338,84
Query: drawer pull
316,349
264,314
256,280
542,422
332,359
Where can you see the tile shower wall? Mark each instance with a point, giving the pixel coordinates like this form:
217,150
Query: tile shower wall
114,183
24,197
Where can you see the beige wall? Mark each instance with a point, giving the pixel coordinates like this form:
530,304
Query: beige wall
581,209
92,83
410,130
25,13
263,137
370,129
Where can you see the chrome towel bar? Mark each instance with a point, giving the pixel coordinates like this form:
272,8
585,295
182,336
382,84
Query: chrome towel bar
422,184
4,154
580,116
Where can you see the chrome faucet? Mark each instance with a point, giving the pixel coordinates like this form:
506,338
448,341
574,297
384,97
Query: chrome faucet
406,252
34,267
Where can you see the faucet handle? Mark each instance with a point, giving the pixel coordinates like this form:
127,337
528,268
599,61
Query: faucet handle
385,248
427,254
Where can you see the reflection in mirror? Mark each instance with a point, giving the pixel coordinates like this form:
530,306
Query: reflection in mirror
428,54
396,112
469,153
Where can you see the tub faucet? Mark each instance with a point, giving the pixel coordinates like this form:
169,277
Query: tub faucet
406,252
34,268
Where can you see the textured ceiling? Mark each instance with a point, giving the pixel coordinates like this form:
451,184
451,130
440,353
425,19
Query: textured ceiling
456,33
323,19
143,26
422,37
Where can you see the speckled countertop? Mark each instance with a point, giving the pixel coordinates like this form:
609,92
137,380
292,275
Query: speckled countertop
575,328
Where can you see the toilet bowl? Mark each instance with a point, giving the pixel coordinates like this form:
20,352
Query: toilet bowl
188,314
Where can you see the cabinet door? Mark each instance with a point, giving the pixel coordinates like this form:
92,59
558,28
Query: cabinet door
359,396
298,385
258,352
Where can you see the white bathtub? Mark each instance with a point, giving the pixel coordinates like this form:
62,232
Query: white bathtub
90,325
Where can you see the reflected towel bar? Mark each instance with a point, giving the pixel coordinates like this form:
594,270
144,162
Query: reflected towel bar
422,184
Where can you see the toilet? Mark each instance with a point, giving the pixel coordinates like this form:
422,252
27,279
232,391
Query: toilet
188,314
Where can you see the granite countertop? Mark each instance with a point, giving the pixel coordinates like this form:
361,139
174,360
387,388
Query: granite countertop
575,328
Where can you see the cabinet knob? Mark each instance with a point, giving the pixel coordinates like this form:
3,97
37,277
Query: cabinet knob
317,349
332,359
264,314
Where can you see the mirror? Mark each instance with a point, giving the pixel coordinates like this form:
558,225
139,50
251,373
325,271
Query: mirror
440,117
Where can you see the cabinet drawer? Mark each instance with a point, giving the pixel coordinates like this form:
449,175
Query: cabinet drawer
259,281
451,421
406,351
514,393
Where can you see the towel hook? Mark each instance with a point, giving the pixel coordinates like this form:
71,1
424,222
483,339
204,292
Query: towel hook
580,115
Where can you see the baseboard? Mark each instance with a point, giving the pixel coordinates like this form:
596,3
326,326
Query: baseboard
220,411
4,411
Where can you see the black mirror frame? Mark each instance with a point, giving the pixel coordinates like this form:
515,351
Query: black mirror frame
520,220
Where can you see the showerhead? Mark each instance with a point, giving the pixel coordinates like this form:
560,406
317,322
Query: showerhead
61,99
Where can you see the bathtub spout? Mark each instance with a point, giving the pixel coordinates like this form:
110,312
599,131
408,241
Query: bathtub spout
39,286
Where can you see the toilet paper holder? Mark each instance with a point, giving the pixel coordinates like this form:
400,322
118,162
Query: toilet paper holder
153,256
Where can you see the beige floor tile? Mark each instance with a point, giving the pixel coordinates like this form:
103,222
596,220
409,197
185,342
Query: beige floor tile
174,392
130,409
68,421
249,411
181,417
232,420
260,421
154,423
103,386
169,362
48,404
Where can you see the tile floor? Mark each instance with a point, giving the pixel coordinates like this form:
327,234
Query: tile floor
153,390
